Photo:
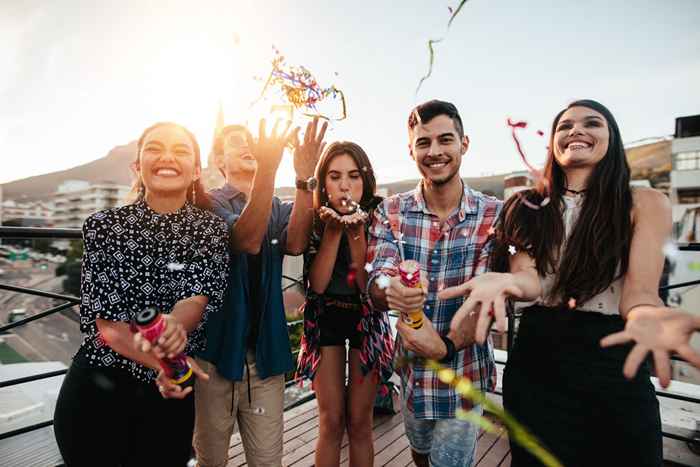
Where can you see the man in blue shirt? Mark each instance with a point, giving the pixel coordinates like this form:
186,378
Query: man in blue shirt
248,350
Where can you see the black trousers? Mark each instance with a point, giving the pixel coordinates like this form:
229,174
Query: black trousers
106,417
572,395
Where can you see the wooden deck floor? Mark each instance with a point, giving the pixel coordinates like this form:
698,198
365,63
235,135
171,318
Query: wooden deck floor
390,443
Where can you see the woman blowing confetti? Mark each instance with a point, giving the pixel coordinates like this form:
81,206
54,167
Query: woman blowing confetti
590,257
337,307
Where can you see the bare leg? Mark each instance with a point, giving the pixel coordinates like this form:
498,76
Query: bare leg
421,460
329,384
362,391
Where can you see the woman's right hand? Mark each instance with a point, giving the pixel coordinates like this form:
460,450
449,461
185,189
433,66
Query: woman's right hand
171,342
169,390
331,218
486,295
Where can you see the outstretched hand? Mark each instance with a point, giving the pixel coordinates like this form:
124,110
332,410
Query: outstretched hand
268,150
486,299
659,330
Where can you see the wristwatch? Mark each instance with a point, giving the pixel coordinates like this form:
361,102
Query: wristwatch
451,350
309,184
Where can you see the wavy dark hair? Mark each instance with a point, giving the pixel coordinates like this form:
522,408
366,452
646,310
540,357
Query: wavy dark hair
369,184
202,201
597,250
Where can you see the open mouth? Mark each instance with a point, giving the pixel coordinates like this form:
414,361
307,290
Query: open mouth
436,164
247,157
166,172
578,145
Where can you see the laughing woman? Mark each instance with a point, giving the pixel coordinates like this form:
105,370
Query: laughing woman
164,251
590,256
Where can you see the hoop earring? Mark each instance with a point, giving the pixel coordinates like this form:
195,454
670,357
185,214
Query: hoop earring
194,194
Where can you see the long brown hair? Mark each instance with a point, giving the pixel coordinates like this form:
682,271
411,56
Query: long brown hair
597,250
369,183
202,199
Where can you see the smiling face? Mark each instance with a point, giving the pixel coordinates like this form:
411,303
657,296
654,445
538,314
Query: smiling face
167,163
343,183
581,138
437,148
236,158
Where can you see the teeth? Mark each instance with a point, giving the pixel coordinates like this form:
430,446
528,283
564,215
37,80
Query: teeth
437,164
578,145
166,172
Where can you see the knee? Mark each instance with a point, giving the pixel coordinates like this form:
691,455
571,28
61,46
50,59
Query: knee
332,424
359,425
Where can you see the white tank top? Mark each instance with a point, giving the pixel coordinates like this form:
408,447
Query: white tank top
607,301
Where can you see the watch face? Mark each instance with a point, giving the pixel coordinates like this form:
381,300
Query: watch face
311,183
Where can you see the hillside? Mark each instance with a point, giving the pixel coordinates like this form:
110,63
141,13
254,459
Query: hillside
114,167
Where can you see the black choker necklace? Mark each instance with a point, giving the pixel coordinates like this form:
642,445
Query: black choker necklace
579,192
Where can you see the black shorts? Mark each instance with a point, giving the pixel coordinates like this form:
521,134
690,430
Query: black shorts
339,320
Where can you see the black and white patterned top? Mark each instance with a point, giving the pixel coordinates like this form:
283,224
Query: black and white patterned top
135,258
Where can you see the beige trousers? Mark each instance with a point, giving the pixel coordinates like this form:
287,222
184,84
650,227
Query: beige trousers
220,403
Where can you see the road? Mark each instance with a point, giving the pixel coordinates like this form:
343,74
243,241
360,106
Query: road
52,338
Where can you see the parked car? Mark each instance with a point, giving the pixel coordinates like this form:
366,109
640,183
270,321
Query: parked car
16,315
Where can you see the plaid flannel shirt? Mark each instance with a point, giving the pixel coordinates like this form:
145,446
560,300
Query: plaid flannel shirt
450,253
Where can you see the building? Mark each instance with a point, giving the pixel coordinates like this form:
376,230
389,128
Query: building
75,200
515,182
26,214
685,171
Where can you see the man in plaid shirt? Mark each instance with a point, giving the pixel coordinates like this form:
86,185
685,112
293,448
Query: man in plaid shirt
445,226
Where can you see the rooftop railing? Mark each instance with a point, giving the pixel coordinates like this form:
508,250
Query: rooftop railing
71,301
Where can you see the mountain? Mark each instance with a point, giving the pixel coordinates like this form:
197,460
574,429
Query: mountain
114,167
652,161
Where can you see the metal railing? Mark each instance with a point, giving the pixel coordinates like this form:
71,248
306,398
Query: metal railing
70,301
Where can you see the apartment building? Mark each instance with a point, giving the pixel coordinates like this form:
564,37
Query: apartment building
75,200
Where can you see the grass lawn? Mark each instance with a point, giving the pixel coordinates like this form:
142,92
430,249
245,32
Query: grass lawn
9,355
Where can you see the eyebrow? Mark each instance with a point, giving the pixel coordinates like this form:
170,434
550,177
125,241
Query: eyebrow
587,117
182,145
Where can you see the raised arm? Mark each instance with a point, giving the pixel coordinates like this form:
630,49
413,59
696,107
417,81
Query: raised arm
248,231
306,156
324,260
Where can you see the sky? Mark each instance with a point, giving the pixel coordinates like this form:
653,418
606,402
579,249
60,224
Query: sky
80,77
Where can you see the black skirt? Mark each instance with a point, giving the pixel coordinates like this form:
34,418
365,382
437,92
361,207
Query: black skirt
572,395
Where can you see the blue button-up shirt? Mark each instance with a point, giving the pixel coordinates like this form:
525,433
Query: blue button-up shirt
227,331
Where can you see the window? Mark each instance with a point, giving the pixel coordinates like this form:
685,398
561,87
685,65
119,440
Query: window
689,196
687,160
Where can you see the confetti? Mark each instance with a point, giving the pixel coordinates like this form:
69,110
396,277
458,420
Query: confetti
572,303
383,281
175,267
536,173
352,276
511,250
300,88
540,133
368,267
274,241
491,231
432,42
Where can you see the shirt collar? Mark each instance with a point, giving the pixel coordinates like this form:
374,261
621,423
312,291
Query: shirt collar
229,191
467,204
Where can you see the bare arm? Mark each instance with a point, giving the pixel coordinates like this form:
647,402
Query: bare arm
324,262
651,217
249,230
306,156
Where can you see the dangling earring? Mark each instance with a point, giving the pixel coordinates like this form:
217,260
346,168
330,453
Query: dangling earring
142,191
194,194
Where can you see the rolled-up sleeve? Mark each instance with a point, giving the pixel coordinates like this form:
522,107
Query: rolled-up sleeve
382,249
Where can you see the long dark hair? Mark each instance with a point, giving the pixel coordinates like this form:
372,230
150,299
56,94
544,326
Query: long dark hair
597,250
202,199
369,184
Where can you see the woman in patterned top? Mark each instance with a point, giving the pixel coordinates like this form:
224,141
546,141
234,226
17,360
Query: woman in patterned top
337,307
164,251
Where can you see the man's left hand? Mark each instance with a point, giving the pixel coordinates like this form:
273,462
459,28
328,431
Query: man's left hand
308,152
424,342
